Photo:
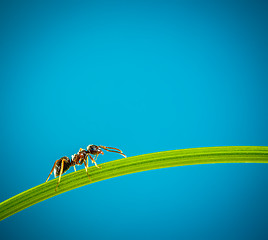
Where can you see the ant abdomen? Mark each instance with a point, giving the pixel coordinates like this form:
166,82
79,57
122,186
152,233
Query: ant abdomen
66,166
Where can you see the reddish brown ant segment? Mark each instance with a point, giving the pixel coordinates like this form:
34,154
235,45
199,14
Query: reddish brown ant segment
63,164
80,158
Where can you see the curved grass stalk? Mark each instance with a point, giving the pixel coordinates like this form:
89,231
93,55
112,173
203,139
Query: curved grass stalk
234,154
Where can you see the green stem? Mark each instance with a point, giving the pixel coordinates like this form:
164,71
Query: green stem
236,154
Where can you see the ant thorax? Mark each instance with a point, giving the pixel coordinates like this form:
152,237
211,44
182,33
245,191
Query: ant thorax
80,157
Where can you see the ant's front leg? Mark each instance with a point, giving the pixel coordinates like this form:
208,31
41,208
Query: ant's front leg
93,161
96,156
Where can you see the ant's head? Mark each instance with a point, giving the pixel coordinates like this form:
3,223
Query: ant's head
94,149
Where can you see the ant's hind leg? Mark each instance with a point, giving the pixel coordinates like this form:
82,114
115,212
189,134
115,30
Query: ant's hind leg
61,170
93,161
52,169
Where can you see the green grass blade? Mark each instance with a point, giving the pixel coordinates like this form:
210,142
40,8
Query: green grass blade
235,154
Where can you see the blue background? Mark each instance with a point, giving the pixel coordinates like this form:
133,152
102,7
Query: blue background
143,76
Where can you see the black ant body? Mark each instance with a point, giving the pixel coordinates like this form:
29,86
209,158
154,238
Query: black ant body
63,164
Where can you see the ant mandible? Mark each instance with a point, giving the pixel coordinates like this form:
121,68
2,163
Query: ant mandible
63,164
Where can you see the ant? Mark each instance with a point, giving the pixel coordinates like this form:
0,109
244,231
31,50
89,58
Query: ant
63,164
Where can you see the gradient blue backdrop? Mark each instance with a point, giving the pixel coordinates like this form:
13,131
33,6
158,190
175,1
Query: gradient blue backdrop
143,76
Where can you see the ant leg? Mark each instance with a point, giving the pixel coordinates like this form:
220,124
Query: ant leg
117,150
52,169
87,161
93,161
73,161
61,170
86,166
